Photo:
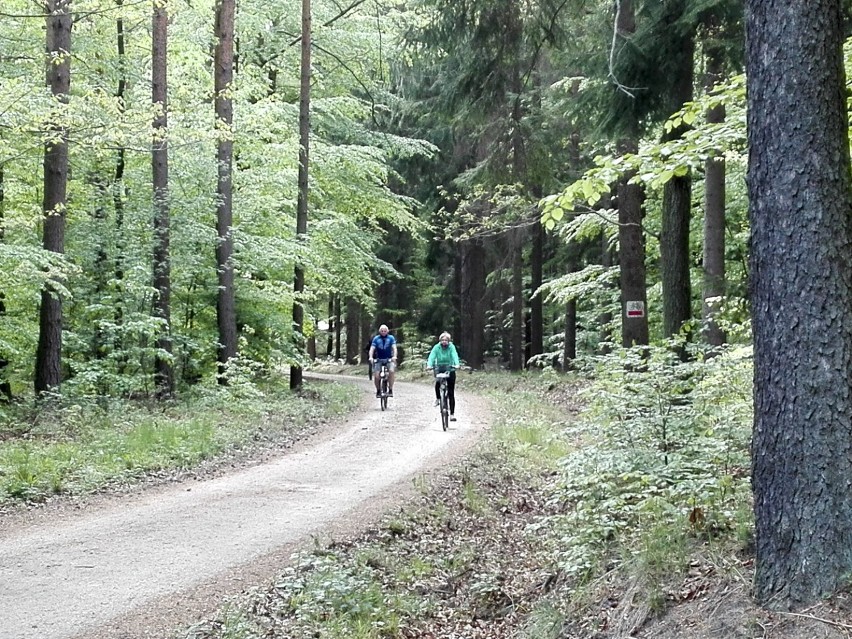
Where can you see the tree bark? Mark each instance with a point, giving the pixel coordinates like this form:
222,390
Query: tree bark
302,198
5,385
801,258
118,195
226,314
48,366
631,235
163,369
517,346
677,209
714,218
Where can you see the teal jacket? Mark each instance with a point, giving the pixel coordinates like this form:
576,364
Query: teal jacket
440,356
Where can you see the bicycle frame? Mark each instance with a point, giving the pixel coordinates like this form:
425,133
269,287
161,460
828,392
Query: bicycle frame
444,400
383,386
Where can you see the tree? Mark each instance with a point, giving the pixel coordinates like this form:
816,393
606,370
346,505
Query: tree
5,386
714,216
48,367
223,77
302,200
677,192
631,235
800,188
163,371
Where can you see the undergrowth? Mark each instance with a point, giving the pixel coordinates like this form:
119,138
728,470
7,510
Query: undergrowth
81,445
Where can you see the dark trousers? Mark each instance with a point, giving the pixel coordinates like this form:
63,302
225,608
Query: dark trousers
451,390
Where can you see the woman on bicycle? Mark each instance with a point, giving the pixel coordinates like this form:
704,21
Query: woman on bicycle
444,358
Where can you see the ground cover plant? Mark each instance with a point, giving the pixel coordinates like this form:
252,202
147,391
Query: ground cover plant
78,446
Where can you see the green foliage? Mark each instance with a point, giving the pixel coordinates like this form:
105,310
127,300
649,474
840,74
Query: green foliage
79,447
105,273
664,451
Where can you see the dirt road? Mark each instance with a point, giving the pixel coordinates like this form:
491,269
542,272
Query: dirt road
140,566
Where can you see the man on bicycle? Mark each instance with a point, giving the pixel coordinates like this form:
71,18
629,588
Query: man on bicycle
444,358
383,351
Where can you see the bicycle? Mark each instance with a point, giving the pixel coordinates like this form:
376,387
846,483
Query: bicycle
444,401
384,391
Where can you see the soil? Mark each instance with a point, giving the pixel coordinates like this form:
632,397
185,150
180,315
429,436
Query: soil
99,567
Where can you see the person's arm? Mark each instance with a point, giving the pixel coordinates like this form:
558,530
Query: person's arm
393,349
455,355
372,350
430,361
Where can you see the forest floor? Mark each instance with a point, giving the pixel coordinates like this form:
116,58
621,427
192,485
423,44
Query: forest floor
383,500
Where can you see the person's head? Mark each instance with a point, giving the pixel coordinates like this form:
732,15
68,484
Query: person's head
383,330
444,339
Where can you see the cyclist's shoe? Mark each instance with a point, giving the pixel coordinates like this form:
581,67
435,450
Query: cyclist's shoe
378,393
390,393
452,418
437,402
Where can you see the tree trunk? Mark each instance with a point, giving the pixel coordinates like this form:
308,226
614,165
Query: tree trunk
48,366
226,314
569,346
353,321
537,278
5,386
631,256
801,256
302,198
714,218
677,208
517,349
118,195
338,328
163,370
631,235
329,337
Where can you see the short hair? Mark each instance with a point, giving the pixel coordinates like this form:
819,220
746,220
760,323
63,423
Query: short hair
383,326
445,334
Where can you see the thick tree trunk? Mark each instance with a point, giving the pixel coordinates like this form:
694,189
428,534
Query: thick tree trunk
800,263
677,209
163,369
48,366
631,256
714,220
226,314
631,235
302,198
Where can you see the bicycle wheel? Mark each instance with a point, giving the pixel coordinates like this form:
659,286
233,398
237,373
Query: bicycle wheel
445,409
384,392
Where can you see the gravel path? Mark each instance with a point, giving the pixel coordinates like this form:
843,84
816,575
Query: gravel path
143,565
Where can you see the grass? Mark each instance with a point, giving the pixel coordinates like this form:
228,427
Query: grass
82,447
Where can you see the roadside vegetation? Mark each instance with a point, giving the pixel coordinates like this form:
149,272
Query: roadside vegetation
84,445
596,502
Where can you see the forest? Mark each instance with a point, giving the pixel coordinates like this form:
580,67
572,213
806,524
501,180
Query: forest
200,196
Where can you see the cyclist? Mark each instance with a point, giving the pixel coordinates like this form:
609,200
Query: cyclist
444,358
383,351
